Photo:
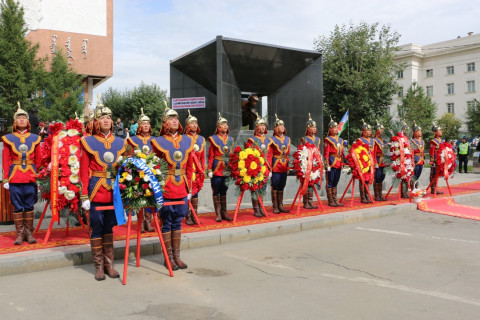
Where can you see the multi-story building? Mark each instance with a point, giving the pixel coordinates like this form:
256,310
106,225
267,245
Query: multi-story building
449,72
82,30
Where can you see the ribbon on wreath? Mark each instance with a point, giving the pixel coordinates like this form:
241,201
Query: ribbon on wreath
154,184
446,165
308,172
54,177
402,158
357,165
318,157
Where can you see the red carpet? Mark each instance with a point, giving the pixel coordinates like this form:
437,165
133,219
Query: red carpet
245,217
449,207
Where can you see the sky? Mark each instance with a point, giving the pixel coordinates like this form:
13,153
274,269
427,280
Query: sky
150,33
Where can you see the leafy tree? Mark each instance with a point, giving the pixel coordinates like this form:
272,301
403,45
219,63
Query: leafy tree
20,71
62,88
358,72
417,106
126,105
450,126
473,118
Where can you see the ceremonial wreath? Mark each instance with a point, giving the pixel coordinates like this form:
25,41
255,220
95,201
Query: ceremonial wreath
445,160
401,158
61,162
308,153
248,168
360,161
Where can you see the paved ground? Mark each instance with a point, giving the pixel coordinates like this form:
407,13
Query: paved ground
410,265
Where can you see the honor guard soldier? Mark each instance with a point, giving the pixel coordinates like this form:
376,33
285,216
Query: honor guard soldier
20,160
310,133
192,129
89,124
278,158
220,148
434,147
366,138
379,165
418,147
176,150
142,141
99,155
260,140
333,153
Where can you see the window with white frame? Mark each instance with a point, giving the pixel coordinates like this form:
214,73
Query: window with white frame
471,86
400,74
470,104
470,66
429,91
450,88
450,107
400,92
450,70
429,73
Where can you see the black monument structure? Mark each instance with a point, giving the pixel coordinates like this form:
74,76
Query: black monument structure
223,69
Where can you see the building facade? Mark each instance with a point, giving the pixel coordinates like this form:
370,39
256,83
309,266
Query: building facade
448,71
82,30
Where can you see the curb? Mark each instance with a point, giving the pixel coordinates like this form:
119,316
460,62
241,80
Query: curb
67,256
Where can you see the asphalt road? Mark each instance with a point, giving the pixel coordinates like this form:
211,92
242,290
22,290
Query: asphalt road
408,266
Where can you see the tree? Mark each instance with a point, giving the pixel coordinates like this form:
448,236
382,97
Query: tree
358,72
20,71
62,88
450,126
473,118
127,105
416,106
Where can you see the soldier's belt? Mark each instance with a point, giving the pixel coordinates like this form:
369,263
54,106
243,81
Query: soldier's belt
280,157
176,172
220,158
102,174
20,162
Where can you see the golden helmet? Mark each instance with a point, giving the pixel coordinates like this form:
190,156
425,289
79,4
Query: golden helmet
221,120
378,126
19,112
168,113
143,117
310,122
332,123
259,120
416,127
278,122
101,110
435,127
404,126
190,118
365,126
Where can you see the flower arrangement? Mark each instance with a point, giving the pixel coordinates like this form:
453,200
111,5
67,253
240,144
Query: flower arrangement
69,153
363,163
445,160
135,185
248,168
402,170
300,163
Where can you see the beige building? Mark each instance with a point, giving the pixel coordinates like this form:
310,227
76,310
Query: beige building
448,71
82,30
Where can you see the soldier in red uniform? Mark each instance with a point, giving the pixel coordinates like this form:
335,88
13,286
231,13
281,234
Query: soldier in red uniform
220,148
379,165
434,147
260,140
310,133
366,138
278,153
142,141
99,155
176,150
333,153
192,129
20,161
418,146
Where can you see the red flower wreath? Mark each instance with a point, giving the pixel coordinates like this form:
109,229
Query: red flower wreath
445,155
248,168
405,170
364,160
300,160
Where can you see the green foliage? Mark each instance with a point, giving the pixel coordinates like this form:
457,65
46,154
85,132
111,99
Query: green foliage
450,126
473,118
62,88
126,105
358,73
416,106
20,71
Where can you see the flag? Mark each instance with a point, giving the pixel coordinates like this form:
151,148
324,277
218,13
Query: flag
343,123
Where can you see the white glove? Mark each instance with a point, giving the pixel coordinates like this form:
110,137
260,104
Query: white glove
189,196
6,185
210,174
86,204
329,169
270,175
50,166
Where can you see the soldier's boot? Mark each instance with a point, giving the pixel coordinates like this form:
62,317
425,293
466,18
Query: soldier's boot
109,256
97,257
276,210
29,227
223,208
176,240
167,239
19,227
280,202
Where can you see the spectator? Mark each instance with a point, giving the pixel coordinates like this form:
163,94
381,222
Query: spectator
44,130
119,129
34,123
463,152
133,128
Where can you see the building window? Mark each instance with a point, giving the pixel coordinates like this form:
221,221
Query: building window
471,86
470,66
400,75
400,92
450,88
470,104
429,73
451,70
451,107
429,91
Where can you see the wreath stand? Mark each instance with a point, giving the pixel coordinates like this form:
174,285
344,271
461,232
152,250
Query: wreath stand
353,190
239,201
299,194
49,230
400,190
435,180
139,237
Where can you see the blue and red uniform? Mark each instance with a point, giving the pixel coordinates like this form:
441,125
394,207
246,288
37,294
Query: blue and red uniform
418,146
199,151
142,142
277,159
333,153
312,140
378,158
220,147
